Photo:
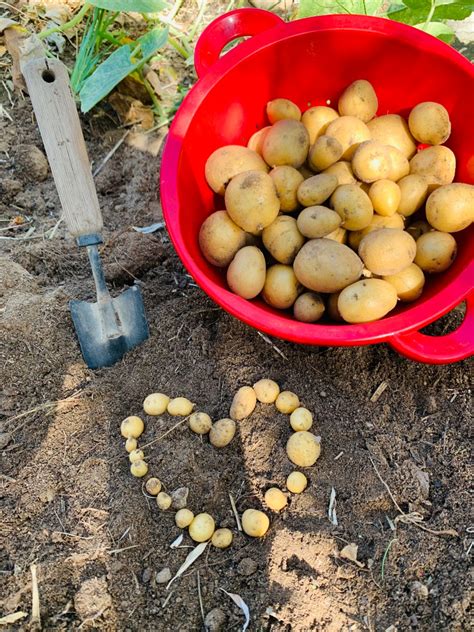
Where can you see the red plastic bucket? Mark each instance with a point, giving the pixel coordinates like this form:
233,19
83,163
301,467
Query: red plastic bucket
311,61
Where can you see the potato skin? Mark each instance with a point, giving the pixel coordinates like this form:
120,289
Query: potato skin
429,123
408,283
332,308
414,190
303,449
251,201
255,142
324,265
282,239
317,189
392,129
353,205
246,273
339,235
316,120
359,99
318,221
325,151
281,287
243,404
387,251
308,307
350,132
451,207
400,167
286,143
343,172
366,301
280,109
220,238
371,161
435,251
385,196
377,222
228,161
286,180
222,432
266,390
437,164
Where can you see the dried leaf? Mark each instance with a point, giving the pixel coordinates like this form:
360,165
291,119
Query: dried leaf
349,552
3,50
22,47
131,111
177,542
13,618
146,230
237,599
146,142
191,558
6,23
332,508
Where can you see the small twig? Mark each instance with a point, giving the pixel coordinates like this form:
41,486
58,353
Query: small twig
378,391
274,347
35,600
384,558
201,606
164,435
234,509
165,603
8,478
110,154
125,548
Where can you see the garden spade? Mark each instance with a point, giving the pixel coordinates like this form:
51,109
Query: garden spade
110,327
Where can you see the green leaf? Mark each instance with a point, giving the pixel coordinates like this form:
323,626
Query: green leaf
439,30
417,11
129,6
309,8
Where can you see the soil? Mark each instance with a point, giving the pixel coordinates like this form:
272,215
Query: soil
70,506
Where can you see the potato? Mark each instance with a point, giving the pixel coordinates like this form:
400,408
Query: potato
317,119
400,167
132,426
136,455
219,239
180,407
343,172
451,207
339,235
353,206
414,190
280,109
378,221
392,129
281,287
183,518
408,283
387,251
156,403
222,538
200,423
164,500
303,449
282,239
324,265
246,273
385,196
350,132
287,402
359,99
251,201
255,523
286,180
317,189
139,469
266,391
228,161
366,300
418,228
301,419
437,164
202,527
435,251
332,308
153,486
317,221
256,140
275,499
131,444
222,433
308,308
286,143
325,151
429,123
243,404
296,482
371,161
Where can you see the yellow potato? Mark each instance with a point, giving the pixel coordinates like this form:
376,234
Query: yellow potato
371,161
266,391
219,239
286,180
131,444
451,207
429,123
251,201
317,119
366,300
414,190
339,235
325,151
255,523
200,423
228,161
296,482
256,140
301,419
246,273
222,538
408,283
387,251
437,164
183,518
435,251
222,433
343,172
385,196
153,486
400,167
324,265
350,132
275,499
353,205
317,189
287,402
359,99
308,308
303,449
281,287
378,221
392,129
202,527
180,407
132,426
418,228
282,239
332,308
243,403
136,455
280,109
139,469
156,403
317,221
286,143
164,500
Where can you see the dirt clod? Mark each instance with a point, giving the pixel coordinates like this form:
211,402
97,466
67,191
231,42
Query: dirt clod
31,163
163,576
247,567
180,497
215,620
92,599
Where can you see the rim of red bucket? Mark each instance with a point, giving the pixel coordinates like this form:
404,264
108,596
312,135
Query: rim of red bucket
413,318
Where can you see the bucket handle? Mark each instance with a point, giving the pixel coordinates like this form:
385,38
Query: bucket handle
228,27
453,347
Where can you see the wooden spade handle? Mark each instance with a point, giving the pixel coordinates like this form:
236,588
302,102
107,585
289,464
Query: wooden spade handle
58,121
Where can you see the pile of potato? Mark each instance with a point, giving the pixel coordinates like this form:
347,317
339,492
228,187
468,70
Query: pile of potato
336,211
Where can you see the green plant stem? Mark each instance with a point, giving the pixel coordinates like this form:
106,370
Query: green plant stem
385,555
67,25
177,46
197,23
430,14
174,9
153,97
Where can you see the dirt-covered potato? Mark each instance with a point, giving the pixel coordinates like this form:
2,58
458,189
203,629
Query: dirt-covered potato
350,132
371,161
220,238
385,196
281,287
413,189
378,221
287,402
324,265
353,205
309,307
280,109
243,403
246,273
286,180
437,164
275,499
387,251
451,207
251,201
256,140
317,189
408,283
366,300
435,251
255,523
332,308
316,120
359,99
200,423
318,221
222,433
339,235
303,449
392,129
418,228
228,161
202,527
266,390
343,172
400,167
325,151
286,143
429,123
282,239
296,482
